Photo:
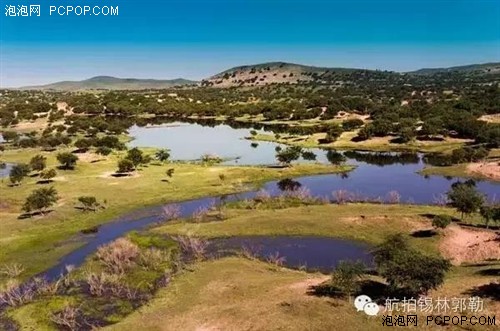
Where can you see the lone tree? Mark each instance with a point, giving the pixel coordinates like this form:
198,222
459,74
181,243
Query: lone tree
67,160
18,172
170,172
406,270
48,174
347,275
333,132
38,162
441,221
40,200
162,155
135,156
465,197
289,154
103,150
89,203
124,166
490,213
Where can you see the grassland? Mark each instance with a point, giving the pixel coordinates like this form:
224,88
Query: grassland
374,144
39,241
369,223
463,170
238,293
241,294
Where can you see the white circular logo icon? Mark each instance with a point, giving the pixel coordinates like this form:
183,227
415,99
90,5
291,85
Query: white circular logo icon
371,309
365,303
361,301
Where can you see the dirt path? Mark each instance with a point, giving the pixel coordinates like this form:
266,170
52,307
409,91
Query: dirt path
469,245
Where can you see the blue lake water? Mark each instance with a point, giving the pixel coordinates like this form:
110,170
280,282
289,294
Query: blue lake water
190,141
309,252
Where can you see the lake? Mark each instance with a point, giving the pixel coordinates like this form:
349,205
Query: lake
376,174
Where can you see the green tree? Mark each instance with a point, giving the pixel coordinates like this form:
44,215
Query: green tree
465,197
490,213
406,134
441,221
67,160
125,165
347,275
170,172
48,174
162,155
40,199
288,155
103,150
136,156
351,124
407,270
333,133
18,172
88,203
83,144
38,162
365,133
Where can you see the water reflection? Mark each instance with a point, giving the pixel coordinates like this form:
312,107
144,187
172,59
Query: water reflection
375,175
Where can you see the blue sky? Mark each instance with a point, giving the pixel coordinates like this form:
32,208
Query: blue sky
197,38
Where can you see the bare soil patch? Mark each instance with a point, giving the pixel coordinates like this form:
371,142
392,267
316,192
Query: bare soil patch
307,283
469,245
487,169
493,118
89,157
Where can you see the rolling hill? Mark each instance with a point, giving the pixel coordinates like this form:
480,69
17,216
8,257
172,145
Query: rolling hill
269,73
485,68
290,73
111,83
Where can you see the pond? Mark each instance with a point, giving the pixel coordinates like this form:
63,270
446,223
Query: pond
190,141
5,169
309,253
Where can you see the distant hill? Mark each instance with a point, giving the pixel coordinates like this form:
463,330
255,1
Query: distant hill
111,83
268,73
485,68
290,73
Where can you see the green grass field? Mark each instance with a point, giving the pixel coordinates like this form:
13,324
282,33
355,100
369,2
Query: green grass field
240,294
374,144
460,170
39,241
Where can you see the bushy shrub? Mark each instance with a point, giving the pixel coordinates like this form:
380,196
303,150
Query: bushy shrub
441,221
